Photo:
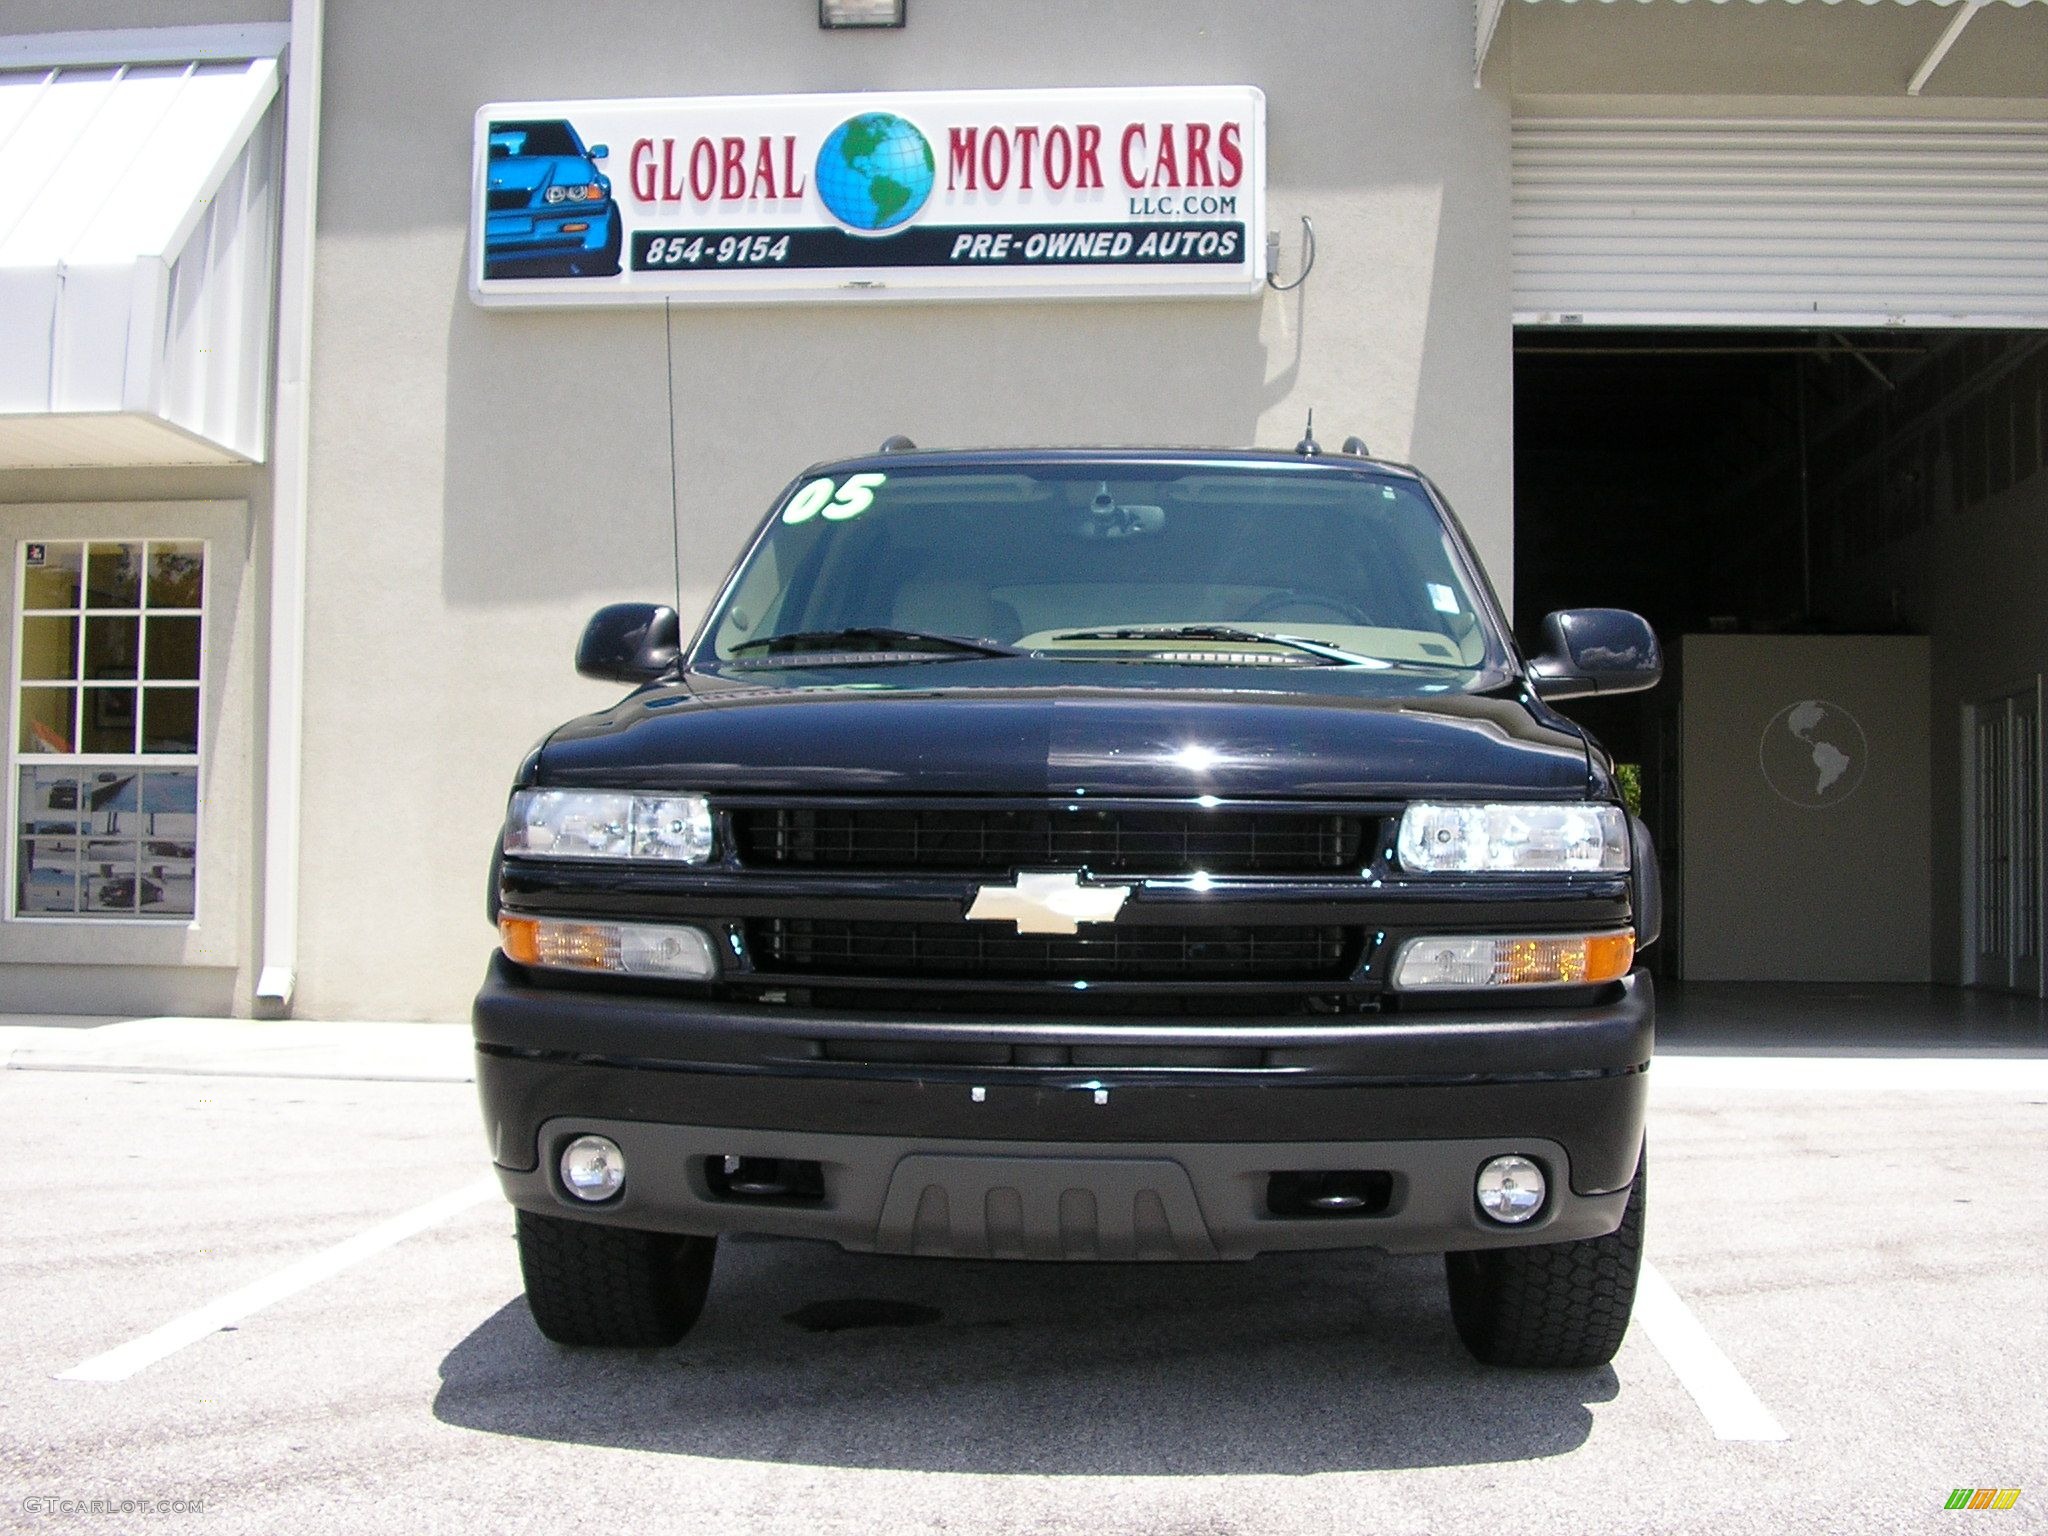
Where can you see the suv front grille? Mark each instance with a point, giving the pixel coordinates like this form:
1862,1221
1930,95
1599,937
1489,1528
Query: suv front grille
971,840
992,952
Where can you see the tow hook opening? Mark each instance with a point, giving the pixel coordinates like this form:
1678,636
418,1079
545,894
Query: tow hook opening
765,1180
1326,1193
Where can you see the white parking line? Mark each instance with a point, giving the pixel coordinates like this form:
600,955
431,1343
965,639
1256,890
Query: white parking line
120,1363
1734,1411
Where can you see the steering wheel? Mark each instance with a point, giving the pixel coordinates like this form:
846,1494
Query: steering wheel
1348,613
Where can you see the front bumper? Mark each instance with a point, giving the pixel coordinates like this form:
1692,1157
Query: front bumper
535,236
1030,1161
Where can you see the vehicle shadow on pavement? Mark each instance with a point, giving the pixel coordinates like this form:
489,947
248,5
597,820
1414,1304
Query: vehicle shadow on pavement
807,1354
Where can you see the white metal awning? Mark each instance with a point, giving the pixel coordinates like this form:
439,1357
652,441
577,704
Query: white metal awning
138,211
1489,13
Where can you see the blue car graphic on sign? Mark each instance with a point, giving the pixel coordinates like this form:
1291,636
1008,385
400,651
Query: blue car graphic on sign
548,211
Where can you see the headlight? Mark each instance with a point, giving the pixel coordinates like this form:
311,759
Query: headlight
556,194
581,193
1516,839
608,824
1461,961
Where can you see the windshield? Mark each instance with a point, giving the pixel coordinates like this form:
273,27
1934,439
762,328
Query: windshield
542,138
1107,561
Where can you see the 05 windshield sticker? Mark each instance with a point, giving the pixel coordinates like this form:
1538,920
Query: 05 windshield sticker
835,501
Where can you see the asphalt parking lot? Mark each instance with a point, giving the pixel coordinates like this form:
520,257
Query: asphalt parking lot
1863,1258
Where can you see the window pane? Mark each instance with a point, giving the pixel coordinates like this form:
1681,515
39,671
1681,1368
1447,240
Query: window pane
49,648
109,723
175,572
167,887
168,847
113,802
110,877
170,720
170,828
47,718
172,648
51,575
110,647
113,576
170,803
49,801
47,875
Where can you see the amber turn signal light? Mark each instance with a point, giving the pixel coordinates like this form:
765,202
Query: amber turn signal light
1531,960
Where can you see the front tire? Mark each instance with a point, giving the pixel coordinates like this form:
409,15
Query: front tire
612,1287
1551,1304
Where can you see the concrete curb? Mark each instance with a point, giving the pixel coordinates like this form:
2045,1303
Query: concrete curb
372,1052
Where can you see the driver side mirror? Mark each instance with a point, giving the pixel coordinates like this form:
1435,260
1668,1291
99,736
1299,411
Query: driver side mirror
629,643
599,151
1590,651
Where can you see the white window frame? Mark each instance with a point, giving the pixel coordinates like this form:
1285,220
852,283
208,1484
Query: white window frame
17,759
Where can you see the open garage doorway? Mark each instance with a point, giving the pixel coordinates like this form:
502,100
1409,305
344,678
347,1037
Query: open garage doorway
1841,538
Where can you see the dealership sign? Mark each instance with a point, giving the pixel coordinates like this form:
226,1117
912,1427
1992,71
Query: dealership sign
934,194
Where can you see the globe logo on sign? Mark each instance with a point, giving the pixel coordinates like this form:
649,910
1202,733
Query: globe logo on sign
875,171
1813,753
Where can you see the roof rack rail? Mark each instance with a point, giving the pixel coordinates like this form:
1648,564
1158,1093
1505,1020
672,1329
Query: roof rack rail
898,444
1355,446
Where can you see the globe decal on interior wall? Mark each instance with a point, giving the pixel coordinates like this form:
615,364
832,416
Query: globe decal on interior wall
875,171
1813,753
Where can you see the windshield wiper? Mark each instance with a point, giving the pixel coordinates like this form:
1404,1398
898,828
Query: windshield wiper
1229,632
883,638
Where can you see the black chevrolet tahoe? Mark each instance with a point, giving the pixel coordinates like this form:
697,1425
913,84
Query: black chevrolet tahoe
1082,855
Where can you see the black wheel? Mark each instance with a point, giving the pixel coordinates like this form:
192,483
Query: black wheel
587,1284
1554,1304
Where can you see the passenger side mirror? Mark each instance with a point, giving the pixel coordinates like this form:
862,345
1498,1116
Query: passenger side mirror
629,643
1595,651
599,151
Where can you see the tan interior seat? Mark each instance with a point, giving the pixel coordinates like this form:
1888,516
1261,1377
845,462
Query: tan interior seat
944,607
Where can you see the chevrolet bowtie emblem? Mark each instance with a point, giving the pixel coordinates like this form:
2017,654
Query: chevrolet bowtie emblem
1048,903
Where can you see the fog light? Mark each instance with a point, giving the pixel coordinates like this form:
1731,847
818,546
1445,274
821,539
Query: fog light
1510,1190
593,1168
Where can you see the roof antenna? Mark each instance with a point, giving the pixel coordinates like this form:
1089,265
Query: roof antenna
898,444
1308,447
1355,446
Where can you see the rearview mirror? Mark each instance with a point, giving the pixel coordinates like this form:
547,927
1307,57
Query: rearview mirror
1590,651
629,643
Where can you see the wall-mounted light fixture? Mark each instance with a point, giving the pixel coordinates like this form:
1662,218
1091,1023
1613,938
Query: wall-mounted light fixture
861,13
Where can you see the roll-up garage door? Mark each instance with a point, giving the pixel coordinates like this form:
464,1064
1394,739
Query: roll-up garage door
1795,222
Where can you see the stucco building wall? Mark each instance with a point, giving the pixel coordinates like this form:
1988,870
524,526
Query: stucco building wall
482,480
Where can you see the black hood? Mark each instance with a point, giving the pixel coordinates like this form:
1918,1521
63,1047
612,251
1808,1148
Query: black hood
891,731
